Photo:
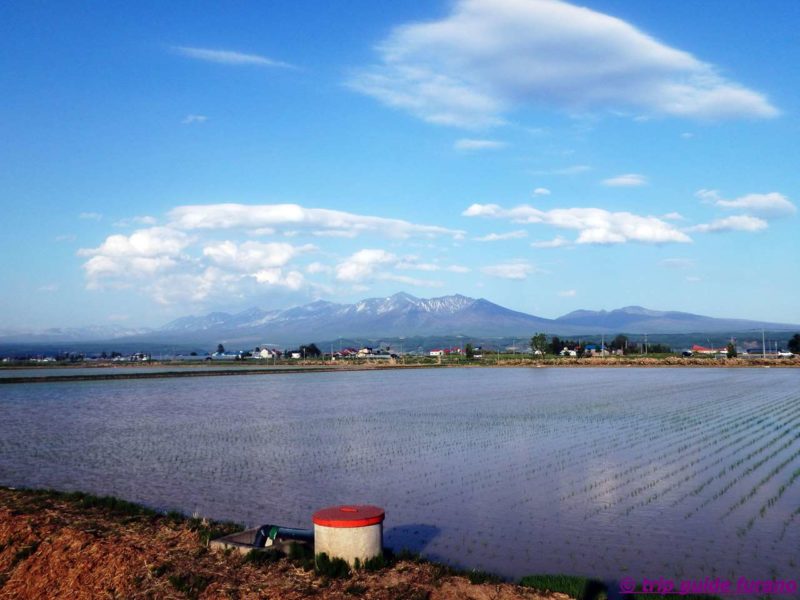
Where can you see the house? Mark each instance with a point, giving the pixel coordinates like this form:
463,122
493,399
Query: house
696,349
265,353
436,352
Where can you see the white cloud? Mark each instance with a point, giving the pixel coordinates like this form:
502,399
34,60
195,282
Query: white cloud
90,216
470,144
540,191
568,293
673,216
251,257
322,221
412,263
595,225
363,264
317,267
145,253
628,180
734,223
687,136
765,205
230,57
487,57
494,237
190,119
154,241
707,196
48,288
515,270
556,242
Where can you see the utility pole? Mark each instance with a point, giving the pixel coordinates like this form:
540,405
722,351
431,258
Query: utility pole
763,346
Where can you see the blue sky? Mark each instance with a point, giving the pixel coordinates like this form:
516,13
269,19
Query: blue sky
161,160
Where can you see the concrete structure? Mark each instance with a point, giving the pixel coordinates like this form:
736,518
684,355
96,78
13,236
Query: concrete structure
349,532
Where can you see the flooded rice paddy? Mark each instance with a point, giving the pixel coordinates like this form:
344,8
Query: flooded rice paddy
683,473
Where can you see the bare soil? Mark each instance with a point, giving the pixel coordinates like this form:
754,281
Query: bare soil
60,546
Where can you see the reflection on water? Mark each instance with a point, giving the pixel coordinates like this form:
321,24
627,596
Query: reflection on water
610,473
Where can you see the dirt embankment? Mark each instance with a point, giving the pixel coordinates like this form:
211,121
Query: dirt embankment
58,546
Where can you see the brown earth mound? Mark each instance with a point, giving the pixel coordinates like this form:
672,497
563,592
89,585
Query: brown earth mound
74,546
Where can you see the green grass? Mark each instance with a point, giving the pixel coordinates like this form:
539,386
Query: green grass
190,584
333,568
581,588
262,557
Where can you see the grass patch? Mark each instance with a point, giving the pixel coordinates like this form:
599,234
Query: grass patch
301,555
190,584
211,530
477,577
581,588
333,568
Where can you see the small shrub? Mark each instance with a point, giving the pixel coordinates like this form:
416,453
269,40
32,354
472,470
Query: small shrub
262,557
478,577
333,568
190,584
376,563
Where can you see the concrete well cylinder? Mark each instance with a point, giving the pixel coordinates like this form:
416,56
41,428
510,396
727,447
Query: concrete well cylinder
349,532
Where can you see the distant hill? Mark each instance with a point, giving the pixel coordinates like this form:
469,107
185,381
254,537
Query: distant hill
397,316
636,319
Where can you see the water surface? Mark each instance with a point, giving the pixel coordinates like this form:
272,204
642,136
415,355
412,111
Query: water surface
604,472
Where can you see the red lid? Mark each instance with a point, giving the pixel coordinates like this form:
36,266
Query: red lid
351,515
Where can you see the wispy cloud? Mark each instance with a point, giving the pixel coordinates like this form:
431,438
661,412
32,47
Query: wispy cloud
496,237
136,221
734,223
563,171
628,180
556,242
230,57
335,223
595,225
765,205
191,119
515,270
90,216
540,191
677,263
468,145
488,57
568,293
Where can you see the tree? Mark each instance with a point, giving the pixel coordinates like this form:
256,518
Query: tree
731,350
469,351
619,343
539,342
310,350
220,349
555,345
794,344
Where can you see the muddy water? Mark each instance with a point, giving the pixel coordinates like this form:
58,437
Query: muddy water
682,473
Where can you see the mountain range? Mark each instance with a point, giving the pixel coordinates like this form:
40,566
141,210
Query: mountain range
397,316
